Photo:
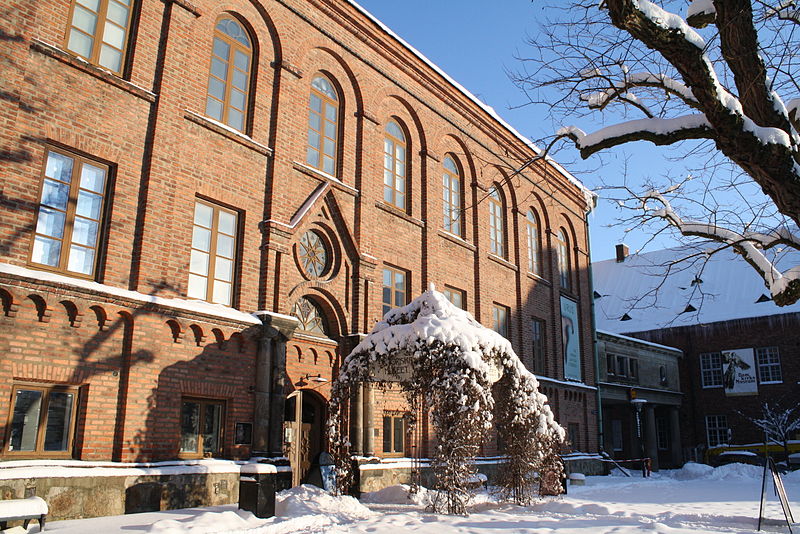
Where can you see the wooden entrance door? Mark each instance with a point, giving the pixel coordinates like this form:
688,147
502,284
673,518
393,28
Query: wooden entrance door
303,432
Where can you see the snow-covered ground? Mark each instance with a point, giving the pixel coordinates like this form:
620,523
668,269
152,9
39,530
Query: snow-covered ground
694,499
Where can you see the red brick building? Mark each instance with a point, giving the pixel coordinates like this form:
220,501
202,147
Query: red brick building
205,204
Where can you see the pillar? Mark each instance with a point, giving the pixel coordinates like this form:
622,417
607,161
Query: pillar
675,448
357,420
651,443
369,420
270,382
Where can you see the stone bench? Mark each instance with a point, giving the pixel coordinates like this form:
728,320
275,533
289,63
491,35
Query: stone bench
23,510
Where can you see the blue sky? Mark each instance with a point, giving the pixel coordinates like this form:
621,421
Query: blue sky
476,42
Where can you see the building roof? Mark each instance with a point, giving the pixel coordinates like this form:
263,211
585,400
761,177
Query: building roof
651,291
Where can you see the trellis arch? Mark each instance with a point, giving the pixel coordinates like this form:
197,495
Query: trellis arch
444,359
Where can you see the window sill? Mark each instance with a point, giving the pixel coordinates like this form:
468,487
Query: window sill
770,383
538,278
314,339
226,131
502,261
325,177
98,72
457,240
712,387
388,208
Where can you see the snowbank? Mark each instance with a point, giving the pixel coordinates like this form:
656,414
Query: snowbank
735,471
311,500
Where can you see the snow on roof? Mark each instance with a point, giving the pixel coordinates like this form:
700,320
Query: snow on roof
639,341
587,193
190,305
721,287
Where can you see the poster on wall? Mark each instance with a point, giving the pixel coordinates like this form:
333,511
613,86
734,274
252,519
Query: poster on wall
570,339
739,372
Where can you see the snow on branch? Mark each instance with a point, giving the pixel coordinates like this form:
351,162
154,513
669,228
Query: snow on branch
621,90
784,286
656,130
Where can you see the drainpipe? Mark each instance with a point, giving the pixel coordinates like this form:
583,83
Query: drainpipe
600,431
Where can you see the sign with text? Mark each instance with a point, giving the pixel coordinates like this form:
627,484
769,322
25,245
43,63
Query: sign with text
739,372
570,339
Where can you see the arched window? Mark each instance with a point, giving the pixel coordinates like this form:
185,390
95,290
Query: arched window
394,165
451,194
562,251
323,125
532,233
497,223
229,75
310,317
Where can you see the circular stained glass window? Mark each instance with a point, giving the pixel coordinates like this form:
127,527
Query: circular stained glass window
313,254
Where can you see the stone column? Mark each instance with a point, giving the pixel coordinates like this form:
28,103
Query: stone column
270,382
357,420
369,420
676,450
651,443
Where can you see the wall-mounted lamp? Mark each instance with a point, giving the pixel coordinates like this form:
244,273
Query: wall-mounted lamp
305,379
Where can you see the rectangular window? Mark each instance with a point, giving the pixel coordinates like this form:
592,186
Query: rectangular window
201,428
395,289
717,430
455,296
98,31
213,253
500,319
662,433
611,364
622,366
537,340
769,365
711,369
394,432
616,434
69,220
574,433
42,421
633,368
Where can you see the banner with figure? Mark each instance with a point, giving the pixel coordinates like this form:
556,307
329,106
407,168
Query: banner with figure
570,339
739,372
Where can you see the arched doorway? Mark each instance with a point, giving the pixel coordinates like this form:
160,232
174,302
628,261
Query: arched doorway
303,431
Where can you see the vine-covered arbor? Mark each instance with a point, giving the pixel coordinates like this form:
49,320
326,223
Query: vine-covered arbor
448,363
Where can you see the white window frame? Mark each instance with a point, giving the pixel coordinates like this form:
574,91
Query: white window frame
718,425
709,372
768,353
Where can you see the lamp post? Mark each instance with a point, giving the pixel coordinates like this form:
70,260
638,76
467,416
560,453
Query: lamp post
638,404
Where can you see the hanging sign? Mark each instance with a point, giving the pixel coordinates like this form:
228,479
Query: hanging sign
570,339
739,372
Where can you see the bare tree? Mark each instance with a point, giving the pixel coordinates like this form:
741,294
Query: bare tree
714,77
778,424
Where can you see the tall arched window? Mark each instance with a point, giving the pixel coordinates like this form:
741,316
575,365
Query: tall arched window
323,125
229,76
394,165
562,251
451,195
532,233
310,316
497,223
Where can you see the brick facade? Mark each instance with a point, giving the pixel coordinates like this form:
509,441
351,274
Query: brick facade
134,361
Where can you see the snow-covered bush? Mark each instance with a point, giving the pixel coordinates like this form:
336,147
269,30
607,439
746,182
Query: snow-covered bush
442,357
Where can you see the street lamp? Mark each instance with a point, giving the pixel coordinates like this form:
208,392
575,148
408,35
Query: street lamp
638,404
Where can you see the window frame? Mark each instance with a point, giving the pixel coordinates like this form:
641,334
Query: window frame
41,426
230,69
499,323
326,102
70,214
394,418
213,252
448,206
497,222
717,429
564,260
392,188
202,401
538,339
760,353
97,37
708,371
450,292
533,235
393,288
